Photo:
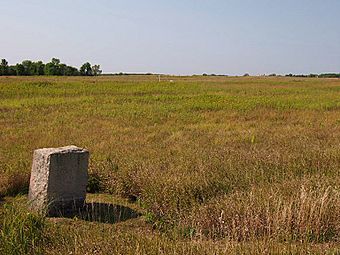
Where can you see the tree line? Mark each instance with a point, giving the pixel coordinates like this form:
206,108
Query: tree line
54,67
323,75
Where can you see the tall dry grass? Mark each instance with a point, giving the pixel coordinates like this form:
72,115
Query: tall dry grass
260,155
306,215
14,183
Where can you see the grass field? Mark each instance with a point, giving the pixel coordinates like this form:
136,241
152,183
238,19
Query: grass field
215,165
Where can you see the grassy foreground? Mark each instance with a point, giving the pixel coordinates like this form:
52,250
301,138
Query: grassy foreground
215,165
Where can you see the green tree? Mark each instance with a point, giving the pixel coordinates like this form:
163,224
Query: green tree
28,67
62,69
96,70
71,71
39,68
86,69
4,67
55,61
12,70
53,67
20,69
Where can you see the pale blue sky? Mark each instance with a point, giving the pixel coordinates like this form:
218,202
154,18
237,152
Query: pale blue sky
176,37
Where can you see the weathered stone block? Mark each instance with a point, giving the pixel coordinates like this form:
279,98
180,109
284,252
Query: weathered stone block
58,179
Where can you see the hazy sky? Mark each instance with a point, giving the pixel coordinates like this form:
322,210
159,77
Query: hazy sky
176,36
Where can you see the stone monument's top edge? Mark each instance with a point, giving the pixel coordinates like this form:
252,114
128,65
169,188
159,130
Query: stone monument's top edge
66,149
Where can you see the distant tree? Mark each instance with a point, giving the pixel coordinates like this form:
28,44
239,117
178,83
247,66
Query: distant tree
86,69
4,62
96,70
12,70
39,68
246,75
71,71
62,69
20,69
205,74
53,67
4,67
329,75
272,75
28,67
55,61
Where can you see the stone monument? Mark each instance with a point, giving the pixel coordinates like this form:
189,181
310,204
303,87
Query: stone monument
58,180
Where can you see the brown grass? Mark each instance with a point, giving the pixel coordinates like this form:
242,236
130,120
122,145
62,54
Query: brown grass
14,183
307,215
214,159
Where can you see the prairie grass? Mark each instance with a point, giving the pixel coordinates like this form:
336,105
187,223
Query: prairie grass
307,215
21,232
14,183
218,165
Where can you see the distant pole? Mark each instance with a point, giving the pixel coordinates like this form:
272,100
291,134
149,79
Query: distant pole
159,78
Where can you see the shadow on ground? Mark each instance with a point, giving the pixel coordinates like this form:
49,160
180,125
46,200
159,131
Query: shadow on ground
100,212
2,200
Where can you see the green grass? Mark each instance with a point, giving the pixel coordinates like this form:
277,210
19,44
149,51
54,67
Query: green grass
215,164
21,232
